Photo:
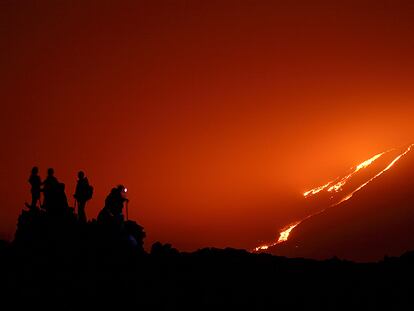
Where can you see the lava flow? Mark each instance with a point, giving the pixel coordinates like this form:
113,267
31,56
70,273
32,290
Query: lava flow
284,235
285,232
376,176
338,186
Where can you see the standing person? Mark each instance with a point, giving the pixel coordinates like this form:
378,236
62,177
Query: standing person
61,202
50,189
83,193
35,182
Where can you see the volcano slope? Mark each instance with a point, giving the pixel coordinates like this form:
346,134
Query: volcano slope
376,221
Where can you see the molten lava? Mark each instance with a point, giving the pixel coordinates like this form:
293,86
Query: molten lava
318,189
338,186
376,176
284,235
285,232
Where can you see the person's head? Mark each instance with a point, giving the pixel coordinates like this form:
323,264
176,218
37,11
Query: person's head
35,170
121,188
81,174
50,172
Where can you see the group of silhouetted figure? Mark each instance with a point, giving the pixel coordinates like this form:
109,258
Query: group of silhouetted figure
55,199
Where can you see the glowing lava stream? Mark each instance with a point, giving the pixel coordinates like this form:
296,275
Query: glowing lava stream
338,186
375,177
284,234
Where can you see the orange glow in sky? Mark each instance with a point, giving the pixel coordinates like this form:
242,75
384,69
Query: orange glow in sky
285,232
215,114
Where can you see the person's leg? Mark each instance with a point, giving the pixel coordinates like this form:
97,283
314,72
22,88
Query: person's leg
81,211
34,201
35,198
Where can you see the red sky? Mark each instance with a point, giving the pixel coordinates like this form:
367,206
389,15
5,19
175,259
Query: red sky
215,114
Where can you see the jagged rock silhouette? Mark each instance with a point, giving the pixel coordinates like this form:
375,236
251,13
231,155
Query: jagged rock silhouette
37,228
59,261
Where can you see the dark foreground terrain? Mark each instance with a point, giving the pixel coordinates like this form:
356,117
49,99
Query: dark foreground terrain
63,264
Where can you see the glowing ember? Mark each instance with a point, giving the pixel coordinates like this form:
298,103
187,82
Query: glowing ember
285,232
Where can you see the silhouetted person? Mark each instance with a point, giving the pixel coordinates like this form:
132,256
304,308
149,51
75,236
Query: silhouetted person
114,204
50,190
35,182
117,199
83,193
61,201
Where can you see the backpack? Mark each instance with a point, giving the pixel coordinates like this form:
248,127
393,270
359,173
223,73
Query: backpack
88,192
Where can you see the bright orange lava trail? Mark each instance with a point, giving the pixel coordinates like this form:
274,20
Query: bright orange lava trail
376,176
338,186
284,235
285,232
318,189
